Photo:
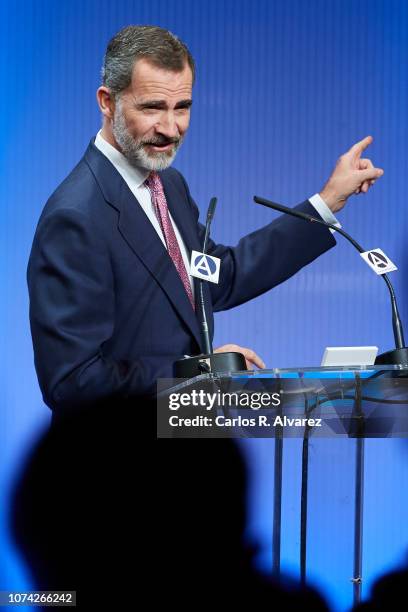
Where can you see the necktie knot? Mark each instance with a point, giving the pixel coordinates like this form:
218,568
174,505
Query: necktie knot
153,182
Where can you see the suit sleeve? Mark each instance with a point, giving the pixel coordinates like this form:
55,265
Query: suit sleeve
72,314
265,258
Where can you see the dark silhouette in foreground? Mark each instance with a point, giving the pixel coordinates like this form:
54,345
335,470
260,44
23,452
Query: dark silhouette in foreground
388,593
105,510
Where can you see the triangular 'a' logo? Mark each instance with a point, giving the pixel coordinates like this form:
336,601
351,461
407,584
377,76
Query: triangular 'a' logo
378,261
205,267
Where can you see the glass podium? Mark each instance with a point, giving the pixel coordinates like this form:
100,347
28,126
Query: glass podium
309,403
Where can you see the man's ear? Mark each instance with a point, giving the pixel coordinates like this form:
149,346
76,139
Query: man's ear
105,101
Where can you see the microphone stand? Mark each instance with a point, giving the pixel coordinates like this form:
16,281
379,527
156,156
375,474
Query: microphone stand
208,362
397,356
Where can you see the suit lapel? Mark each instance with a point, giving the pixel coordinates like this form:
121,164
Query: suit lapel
142,238
178,210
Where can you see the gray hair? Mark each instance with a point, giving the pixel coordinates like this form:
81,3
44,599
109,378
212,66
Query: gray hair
162,48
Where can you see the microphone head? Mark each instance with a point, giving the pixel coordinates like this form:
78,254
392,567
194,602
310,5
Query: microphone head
211,208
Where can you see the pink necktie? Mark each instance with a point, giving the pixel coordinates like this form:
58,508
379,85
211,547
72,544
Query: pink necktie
155,187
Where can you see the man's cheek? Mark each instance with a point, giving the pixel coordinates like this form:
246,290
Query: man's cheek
183,127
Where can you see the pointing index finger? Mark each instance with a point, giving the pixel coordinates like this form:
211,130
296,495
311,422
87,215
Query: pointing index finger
357,149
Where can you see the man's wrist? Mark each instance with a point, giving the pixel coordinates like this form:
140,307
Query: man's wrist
323,210
332,200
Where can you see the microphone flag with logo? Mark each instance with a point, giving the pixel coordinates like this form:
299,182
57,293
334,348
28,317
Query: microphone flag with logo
378,261
205,266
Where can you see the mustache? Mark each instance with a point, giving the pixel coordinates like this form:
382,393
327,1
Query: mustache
161,141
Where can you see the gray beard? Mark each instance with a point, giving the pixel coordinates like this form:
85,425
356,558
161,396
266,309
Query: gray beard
134,150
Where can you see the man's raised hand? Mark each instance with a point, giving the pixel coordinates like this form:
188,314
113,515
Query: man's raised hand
352,174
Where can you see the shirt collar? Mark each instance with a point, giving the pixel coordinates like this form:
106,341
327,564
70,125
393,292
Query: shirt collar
122,165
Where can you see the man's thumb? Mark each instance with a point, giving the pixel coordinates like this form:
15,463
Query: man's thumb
370,173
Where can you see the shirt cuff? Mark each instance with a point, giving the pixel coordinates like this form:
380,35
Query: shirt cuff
324,211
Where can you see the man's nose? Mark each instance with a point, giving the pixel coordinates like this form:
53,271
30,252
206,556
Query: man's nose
168,125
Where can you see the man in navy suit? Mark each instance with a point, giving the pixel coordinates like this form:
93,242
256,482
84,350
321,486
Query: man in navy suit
112,303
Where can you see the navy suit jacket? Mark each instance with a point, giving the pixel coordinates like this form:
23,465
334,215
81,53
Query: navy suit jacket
108,311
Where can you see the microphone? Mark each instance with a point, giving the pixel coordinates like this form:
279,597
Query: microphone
397,356
204,325
209,361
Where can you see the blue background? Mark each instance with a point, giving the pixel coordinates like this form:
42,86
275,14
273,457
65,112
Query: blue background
283,87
